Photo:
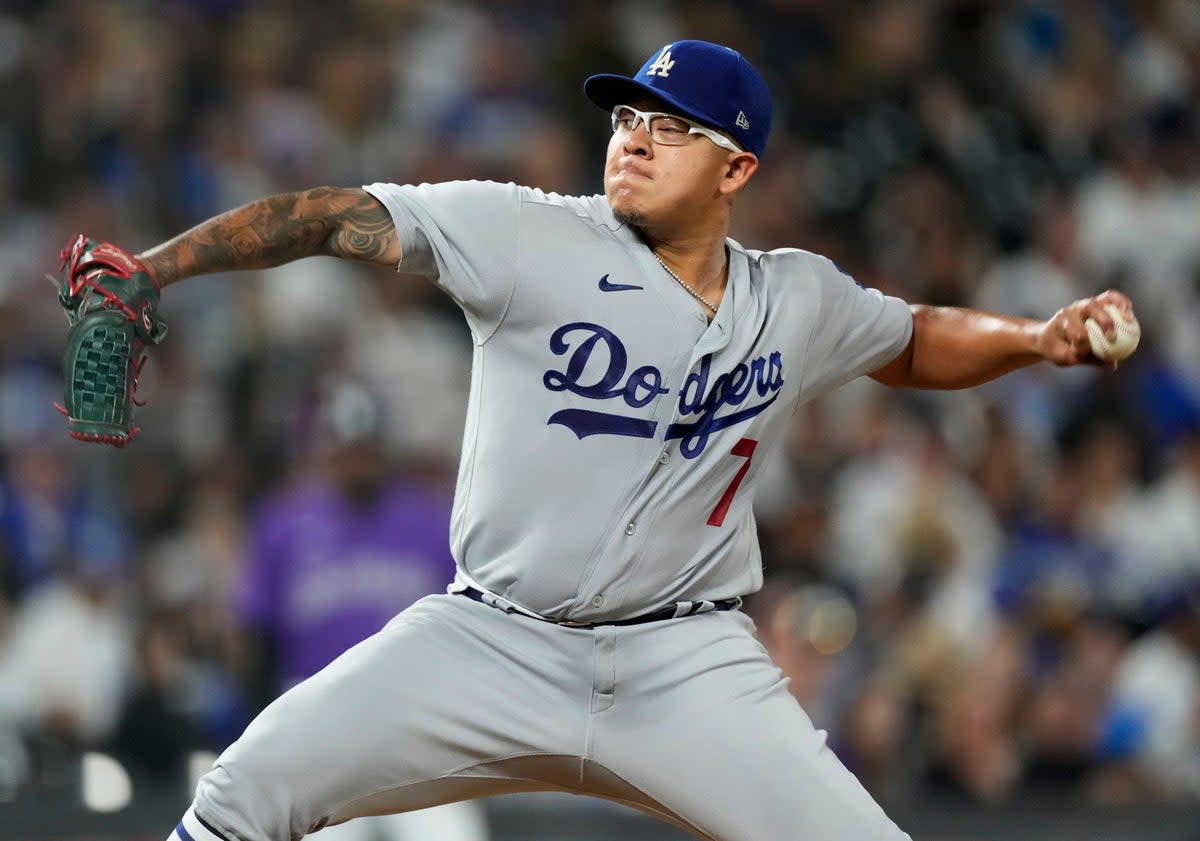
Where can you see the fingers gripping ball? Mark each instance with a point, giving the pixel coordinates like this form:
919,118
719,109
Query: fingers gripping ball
111,303
1129,332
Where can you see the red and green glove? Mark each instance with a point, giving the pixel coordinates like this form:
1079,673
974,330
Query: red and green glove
111,302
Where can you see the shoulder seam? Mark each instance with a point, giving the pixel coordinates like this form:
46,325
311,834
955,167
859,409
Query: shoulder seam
808,345
516,277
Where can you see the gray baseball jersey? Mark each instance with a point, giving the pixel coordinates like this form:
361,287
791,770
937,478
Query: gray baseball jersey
614,440
614,436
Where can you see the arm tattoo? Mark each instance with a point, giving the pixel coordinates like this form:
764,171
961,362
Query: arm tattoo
364,231
347,223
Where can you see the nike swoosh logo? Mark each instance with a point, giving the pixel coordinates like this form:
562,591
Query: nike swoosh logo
605,286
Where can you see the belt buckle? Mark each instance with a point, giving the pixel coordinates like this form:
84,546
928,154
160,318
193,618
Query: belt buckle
573,623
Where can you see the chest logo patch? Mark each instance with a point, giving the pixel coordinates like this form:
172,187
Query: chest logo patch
607,285
597,368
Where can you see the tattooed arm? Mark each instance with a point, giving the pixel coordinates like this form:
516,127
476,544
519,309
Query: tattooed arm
346,223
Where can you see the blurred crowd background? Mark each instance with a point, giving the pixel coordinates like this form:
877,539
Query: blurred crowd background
981,595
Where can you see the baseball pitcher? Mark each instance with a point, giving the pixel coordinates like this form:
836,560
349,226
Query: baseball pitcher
634,369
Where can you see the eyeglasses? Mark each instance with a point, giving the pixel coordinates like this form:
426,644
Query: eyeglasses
666,129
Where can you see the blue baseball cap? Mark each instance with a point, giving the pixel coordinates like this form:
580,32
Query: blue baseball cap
711,84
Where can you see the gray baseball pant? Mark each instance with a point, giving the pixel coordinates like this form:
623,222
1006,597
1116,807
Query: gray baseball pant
686,719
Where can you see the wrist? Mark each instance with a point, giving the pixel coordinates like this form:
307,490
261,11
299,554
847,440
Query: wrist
157,267
1031,338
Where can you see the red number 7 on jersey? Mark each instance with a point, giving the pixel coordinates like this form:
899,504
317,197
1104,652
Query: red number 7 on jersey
745,449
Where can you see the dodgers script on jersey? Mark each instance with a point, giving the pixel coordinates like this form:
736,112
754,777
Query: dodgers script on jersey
614,435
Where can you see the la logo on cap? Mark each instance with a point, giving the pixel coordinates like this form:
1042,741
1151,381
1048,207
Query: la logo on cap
663,64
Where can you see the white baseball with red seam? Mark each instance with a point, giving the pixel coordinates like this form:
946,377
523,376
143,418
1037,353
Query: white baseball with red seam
1129,332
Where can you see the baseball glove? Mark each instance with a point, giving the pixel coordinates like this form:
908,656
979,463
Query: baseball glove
111,304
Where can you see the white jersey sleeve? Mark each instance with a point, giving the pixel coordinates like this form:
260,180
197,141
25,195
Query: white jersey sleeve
861,330
462,235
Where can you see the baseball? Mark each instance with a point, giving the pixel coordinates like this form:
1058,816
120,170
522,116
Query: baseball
1126,341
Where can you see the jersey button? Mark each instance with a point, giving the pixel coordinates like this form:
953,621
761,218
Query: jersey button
664,457
597,601
631,528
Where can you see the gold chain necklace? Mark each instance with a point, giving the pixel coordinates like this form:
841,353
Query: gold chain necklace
680,281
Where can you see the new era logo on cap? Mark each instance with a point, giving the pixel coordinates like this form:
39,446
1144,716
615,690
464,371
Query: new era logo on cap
707,82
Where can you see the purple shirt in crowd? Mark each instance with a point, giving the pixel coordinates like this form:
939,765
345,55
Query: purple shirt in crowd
323,575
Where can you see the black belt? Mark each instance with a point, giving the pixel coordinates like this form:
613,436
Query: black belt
671,612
